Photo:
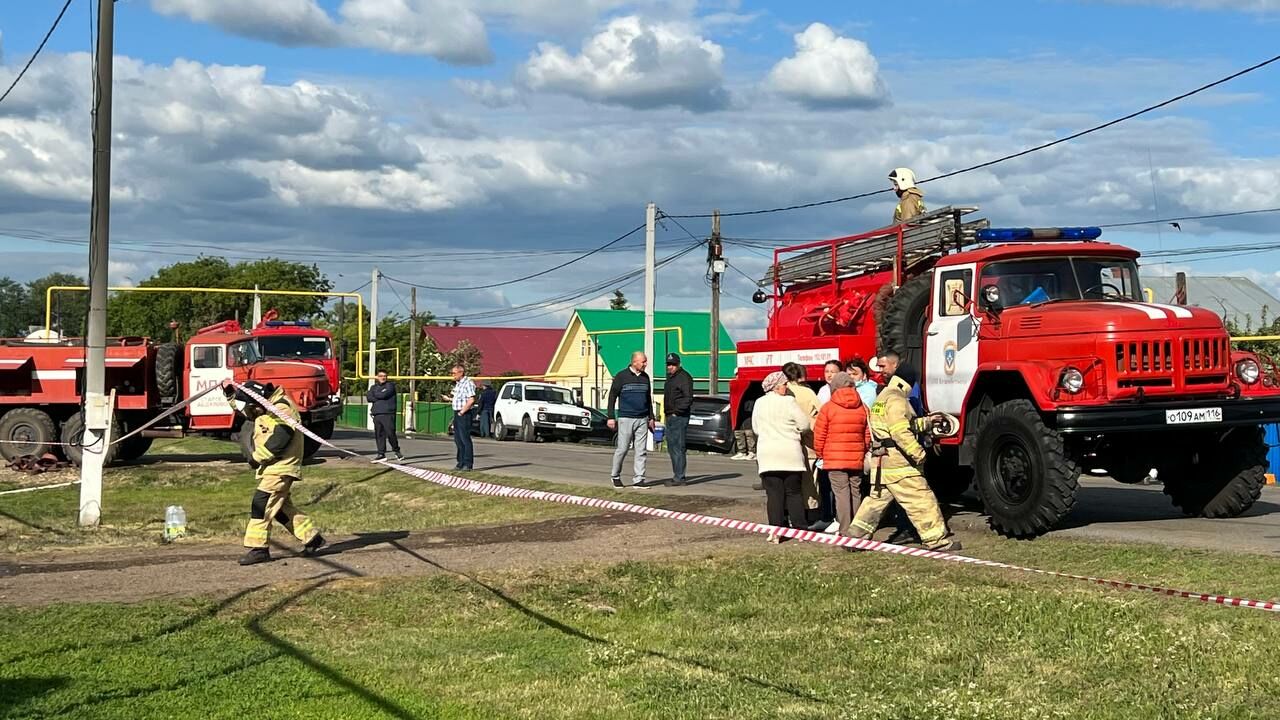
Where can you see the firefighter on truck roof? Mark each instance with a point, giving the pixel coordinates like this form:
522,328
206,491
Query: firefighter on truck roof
277,458
910,197
897,467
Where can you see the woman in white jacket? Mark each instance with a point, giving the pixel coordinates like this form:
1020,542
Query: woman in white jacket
780,425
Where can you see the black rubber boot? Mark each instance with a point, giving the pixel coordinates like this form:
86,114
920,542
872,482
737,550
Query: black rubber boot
255,556
313,546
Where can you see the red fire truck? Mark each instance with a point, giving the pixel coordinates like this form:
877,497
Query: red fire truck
41,382
299,341
1039,341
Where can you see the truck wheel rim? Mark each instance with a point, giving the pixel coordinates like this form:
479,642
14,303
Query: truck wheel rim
1012,471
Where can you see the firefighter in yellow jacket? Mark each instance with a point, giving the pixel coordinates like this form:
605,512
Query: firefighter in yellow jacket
277,457
910,197
897,467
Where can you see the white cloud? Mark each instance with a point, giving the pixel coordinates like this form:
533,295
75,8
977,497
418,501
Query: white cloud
488,94
829,71
444,29
635,63
1254,6
284,22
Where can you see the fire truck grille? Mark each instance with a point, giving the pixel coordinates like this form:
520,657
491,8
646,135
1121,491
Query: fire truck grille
1162,363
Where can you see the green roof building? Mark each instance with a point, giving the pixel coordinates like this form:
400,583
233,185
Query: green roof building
598,343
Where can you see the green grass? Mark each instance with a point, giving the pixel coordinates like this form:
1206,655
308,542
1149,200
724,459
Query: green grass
343,497
788,633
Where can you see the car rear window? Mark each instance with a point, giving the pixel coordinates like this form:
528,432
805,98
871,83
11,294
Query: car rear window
708,406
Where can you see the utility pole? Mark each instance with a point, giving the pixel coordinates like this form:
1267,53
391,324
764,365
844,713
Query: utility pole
342,343
650,287
373,334
715,258
257,306
410,420
97,405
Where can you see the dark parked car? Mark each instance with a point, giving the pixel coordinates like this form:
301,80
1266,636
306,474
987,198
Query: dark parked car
600,431
710,426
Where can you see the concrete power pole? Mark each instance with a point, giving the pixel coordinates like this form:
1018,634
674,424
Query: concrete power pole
97,405
373,334
650,287
715,258
411,417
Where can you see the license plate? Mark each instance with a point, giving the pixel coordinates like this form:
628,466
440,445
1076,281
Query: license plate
565,426
695,421
1193,417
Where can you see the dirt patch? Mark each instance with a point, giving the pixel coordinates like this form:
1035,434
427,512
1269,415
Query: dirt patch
175,571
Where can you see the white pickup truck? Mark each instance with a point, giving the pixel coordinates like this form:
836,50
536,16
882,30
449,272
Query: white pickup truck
530,410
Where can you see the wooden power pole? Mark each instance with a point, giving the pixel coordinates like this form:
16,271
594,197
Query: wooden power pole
715,261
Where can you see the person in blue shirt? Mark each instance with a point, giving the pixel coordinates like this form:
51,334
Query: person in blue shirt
488,399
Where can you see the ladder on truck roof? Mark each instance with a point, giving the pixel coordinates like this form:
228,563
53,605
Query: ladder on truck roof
897,246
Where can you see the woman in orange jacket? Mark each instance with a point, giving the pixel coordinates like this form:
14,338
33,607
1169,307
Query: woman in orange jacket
842,437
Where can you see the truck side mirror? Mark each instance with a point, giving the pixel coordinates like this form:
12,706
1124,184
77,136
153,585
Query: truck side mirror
991,298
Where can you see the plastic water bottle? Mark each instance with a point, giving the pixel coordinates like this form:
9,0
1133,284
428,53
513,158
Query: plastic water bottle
175,523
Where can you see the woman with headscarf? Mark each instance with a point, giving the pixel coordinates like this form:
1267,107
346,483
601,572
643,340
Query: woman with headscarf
780,424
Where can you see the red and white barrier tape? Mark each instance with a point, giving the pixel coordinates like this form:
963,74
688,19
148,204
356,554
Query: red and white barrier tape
483,488
153,421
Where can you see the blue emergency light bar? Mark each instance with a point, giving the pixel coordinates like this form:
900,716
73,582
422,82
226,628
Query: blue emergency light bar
288,323
1033,234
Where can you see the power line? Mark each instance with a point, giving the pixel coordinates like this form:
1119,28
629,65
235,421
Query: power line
1006,158
36,54
549,270
1191,217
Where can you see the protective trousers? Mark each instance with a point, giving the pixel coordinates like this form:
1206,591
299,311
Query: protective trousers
915,497
271,502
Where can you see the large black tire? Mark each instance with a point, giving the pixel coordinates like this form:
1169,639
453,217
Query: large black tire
527,432
902,323
1223,479
26,431
309,447
500,430
246,443
73,435
168,370
133,448
1025,477
323,429
947,477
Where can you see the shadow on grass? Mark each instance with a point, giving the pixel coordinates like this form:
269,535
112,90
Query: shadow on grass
182,625
16,692
573,632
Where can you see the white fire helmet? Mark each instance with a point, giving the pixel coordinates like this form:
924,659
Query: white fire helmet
902,179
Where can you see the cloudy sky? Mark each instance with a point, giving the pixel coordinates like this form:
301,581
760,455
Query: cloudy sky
463,143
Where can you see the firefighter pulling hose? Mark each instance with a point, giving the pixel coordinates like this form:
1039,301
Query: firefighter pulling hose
897,465
277,459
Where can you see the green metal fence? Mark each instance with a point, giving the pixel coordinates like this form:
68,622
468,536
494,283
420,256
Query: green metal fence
432,417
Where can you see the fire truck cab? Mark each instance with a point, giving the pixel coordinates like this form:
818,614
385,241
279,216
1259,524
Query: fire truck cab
298,341
41,382
1041,343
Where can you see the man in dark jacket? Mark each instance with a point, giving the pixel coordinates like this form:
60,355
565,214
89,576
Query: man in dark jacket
632,395
382,406
488,400
677,401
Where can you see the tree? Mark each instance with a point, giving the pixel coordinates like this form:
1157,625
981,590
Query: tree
22,306
14,307
143,313
618,301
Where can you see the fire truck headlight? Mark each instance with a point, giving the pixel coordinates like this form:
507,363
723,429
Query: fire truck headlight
1248,371
1072,380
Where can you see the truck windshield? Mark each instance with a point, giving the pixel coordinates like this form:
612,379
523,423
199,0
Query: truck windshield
295,346
242,353
547,394
1025,282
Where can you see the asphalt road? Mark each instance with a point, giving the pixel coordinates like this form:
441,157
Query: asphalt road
1104,509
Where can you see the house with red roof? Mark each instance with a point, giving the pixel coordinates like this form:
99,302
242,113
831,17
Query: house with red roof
504,350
